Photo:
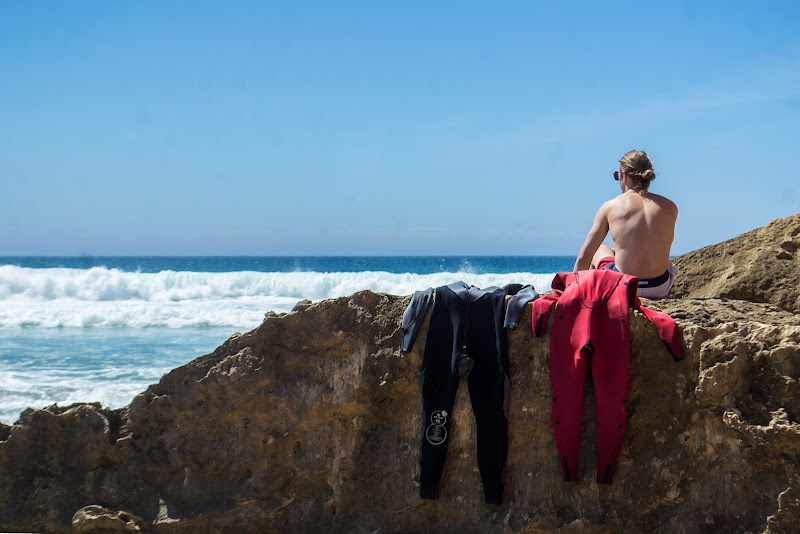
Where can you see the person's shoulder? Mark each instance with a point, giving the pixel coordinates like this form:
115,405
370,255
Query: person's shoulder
615,202
664,207
608,205
664,202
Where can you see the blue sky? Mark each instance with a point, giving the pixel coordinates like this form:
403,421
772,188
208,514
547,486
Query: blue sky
386,127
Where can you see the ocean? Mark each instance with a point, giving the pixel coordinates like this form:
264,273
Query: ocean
85,329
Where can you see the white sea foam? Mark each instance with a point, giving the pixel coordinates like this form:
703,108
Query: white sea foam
99,334
102,297
40,367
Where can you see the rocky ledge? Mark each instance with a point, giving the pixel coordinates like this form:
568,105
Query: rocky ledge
312,422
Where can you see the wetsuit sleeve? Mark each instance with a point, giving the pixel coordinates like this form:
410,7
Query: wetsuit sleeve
541,312
667,330
513,289
516,306
414,316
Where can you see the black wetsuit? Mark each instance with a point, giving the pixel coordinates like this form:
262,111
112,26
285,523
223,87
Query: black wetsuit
466,333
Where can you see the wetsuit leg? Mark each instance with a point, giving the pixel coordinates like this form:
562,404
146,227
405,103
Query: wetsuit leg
610,374
439,385
567,377
489,389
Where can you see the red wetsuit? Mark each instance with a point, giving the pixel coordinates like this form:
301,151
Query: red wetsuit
592,318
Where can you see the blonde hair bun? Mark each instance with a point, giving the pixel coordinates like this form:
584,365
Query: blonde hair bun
640,168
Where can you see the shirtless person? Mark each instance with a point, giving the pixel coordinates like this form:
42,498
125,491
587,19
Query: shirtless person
642,226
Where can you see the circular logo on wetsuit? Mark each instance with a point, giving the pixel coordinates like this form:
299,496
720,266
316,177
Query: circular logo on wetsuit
436,433
439,417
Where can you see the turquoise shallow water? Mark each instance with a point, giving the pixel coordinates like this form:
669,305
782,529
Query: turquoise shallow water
102,329
40,367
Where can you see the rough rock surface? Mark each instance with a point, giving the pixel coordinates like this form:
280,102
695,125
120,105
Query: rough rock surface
96,519
312,422
762,265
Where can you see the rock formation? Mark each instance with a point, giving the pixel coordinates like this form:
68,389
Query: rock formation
312,423
762,265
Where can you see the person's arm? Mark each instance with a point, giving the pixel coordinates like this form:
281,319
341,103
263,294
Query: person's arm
594,239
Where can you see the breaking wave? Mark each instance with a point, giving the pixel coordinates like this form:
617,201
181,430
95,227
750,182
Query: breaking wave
103,297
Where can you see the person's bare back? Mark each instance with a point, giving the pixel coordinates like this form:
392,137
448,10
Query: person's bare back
642,224
642,227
